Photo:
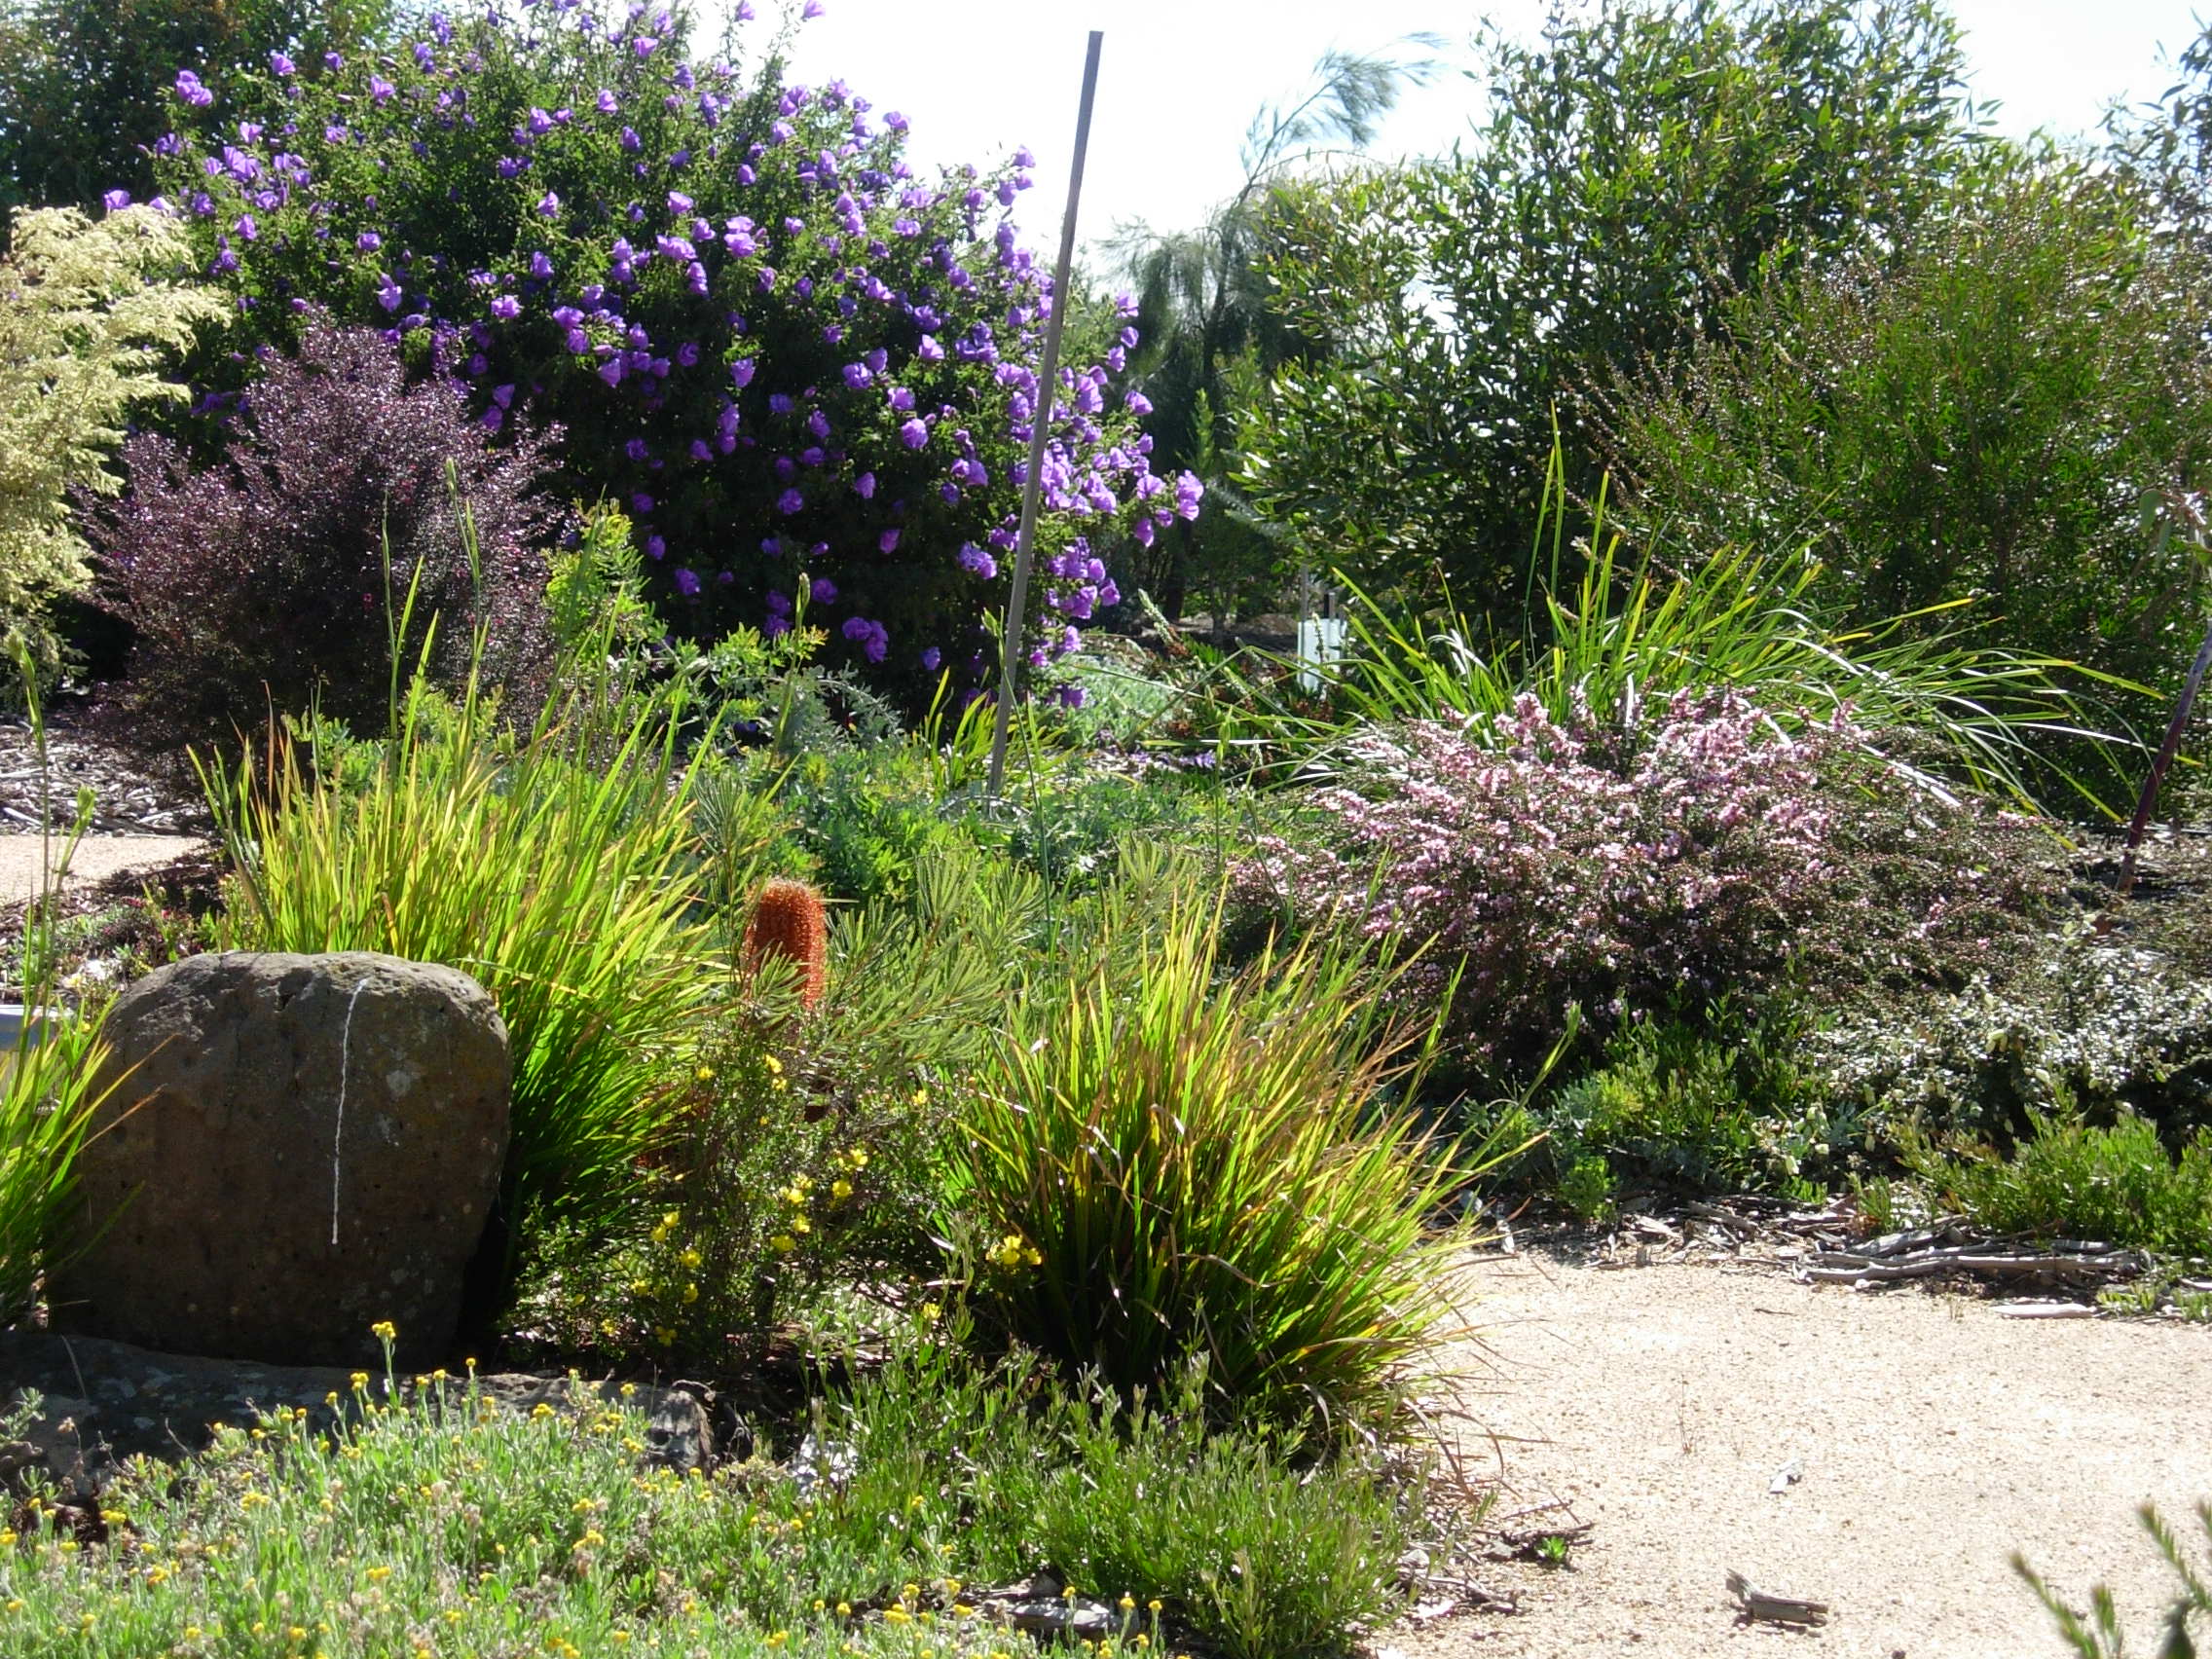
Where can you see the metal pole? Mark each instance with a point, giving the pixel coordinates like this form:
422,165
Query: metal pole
1039,425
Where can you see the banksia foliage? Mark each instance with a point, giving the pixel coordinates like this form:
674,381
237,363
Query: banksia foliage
788,921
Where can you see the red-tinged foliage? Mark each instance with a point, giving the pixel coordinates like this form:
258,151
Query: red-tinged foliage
260,585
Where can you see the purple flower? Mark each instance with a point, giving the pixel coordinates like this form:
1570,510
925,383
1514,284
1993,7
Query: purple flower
886,542
790,501
608,104
929,351
637,449
687,583
540,266
190,91
930,658
389,295
244,228
1187,490
506,307
977,562
114,201
898,124
822,590
503,396
643,46
368,241
914,434
381,88
281,65
548,205
610,371
873,638
656,547
901,399
679,203
741,372
864,486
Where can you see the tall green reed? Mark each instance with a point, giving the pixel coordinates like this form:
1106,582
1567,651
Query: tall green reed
48,1100
1619,633
556,863
1165,1163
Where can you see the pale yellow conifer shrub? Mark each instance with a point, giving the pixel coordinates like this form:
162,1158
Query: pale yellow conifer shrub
90,310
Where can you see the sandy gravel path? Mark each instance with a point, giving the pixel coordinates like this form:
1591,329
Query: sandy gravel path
1936,1438
97,858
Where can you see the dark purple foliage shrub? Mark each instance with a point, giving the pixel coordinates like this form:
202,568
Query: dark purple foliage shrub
260,583
1547,866
807,373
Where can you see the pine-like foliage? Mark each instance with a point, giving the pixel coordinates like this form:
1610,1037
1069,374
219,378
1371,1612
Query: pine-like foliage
87,316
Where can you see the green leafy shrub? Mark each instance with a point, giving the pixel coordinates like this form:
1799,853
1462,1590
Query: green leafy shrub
1979,413
1714,1104
1156,1165
88,312
1641,160
799,1159
1254,1546
2072,1179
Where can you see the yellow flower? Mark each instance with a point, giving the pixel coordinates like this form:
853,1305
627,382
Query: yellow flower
542,1409
361,1382
378,1574
691,1292
706,1073
691,1258
783,1243
384,1330
840,1189
663,1334
774,1065
931,1312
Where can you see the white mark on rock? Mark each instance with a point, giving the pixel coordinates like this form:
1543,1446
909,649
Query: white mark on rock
337,1134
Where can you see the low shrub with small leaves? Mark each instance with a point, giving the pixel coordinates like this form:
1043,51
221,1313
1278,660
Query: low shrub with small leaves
433,1521
2072,1179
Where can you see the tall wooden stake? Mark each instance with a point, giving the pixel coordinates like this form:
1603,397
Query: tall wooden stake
1039,425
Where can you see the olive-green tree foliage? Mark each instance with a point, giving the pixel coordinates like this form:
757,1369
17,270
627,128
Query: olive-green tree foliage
1208,339
1642,161
87,314
1994,413
82,82
2168,144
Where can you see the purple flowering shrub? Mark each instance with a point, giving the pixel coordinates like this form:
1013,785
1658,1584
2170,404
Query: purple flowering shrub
260,584
806,373
1548,865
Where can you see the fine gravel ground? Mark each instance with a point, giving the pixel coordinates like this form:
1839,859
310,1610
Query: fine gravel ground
97,858
1934,1437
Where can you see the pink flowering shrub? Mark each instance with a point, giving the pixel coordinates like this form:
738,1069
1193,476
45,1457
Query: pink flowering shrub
1546,864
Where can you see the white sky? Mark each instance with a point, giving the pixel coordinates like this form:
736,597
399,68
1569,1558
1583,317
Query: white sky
1180,79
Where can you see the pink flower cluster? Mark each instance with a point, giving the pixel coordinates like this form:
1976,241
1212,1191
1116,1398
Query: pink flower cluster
1542,865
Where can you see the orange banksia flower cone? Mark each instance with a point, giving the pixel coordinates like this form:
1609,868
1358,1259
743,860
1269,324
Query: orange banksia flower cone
788,921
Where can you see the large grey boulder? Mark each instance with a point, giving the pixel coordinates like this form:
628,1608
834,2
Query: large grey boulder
297,1148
